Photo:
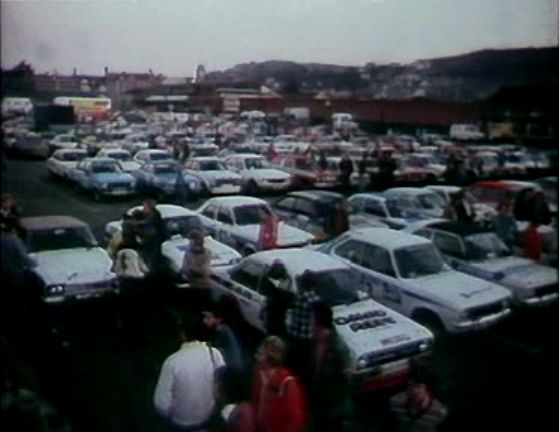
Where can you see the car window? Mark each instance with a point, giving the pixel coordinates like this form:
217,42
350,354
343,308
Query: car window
209,211
248,274
350,250
448,244
182,225
419,260
224,216
248,214
304,207
286,203
377,259
374,208
60,238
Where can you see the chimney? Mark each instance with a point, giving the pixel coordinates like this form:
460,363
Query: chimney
75,71
151,72
106,71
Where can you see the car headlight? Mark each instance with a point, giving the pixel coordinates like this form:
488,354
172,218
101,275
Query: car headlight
424,346
55,289
362,363
192,185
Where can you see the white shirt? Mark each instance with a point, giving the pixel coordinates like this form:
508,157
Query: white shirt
185,389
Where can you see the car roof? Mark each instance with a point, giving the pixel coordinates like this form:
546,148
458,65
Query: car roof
375,195
36,223
459,228
205,158
68,150
244,155
449,188
235,200
386,237
297,260
406,190
168,210
153,151
316,195
100,159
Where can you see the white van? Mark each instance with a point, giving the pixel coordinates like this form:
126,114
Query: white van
466,132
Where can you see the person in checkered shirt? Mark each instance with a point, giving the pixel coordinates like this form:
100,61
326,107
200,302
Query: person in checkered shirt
300,327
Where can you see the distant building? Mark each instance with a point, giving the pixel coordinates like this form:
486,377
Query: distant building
199,73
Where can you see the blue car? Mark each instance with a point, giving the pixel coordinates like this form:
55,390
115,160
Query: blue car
102,177
160,179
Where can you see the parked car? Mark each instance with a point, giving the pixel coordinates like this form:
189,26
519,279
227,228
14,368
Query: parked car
235,220
122,156
70,264
374,209
62,161
160,178
483,212
310,211
102,177
334,166
216,179
406,273
380,341
257,173
306,172
179,222
427,161
477,251
135,142
29,144
153,155
63,141
418,202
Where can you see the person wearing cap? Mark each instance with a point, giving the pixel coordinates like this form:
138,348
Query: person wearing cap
185,391
277,397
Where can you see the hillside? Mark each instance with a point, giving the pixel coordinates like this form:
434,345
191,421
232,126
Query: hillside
467,77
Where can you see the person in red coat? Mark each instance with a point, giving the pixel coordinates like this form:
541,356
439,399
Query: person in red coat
277,396
532,242
268,235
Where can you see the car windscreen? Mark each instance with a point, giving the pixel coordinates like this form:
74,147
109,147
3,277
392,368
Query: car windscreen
74,157
394,208
336,287
121,156
59,238
256,163
418,260
430,201
159,156
104,167
482,246
249,214
211,165
183,225
164,169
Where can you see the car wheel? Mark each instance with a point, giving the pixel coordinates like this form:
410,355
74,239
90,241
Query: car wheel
430,320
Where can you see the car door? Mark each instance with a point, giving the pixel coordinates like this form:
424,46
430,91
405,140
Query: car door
79,174
207,217
376,210
223,226
246,279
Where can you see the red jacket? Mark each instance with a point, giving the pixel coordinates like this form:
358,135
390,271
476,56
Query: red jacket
278,402
532,243
268,235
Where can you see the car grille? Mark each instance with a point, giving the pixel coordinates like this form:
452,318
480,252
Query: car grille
221,182
120,185
276,180
394,355
546,290
481,311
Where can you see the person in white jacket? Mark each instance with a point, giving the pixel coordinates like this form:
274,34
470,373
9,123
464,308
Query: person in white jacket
185,390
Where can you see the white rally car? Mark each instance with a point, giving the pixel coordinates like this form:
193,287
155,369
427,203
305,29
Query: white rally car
63,161
406,273
216,178
235,220
257,173
70,265
179,221
479,252
380,341
122,156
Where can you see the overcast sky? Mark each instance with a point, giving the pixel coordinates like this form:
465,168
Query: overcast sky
172,36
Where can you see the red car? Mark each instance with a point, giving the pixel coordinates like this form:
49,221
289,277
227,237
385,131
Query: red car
492,192
306,172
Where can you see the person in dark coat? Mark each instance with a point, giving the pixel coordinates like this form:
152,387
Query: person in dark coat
346,169
386,167
10,215
463,210
153,235
275,288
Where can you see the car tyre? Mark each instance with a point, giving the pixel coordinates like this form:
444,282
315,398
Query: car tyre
430,320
